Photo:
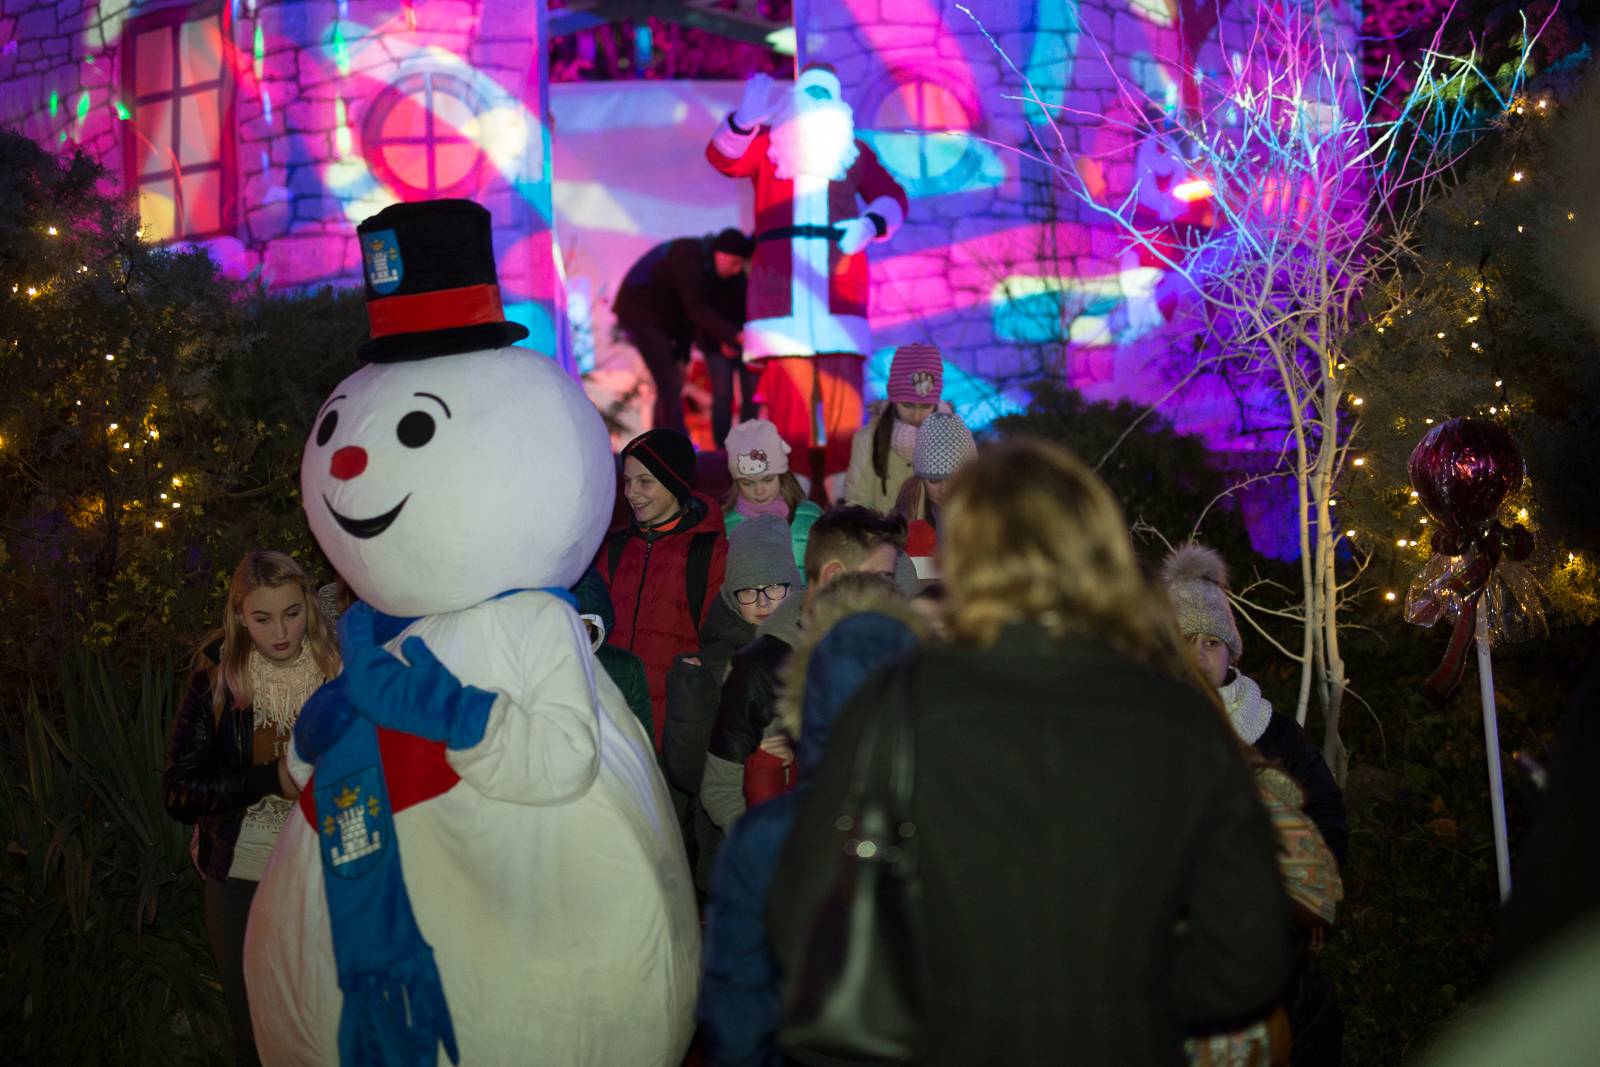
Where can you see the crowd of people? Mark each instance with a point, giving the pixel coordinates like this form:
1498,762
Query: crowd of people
1123,854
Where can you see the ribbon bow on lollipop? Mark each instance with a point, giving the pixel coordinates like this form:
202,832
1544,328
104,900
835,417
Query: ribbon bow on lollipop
1462,471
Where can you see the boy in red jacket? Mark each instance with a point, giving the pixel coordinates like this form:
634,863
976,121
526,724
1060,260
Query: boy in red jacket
666,564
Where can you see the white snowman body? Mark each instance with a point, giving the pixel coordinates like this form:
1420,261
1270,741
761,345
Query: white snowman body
550,880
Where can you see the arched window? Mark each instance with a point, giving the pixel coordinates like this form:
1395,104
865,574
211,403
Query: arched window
420,138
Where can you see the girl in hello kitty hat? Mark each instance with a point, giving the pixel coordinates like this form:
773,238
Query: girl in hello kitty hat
763,484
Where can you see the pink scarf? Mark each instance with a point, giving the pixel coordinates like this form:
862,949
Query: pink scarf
776,506
903,439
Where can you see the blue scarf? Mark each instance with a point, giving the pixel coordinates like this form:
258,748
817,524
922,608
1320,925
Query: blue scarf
395,1012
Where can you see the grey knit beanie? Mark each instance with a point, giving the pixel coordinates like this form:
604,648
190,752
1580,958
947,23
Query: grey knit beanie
944,445
1197,583
759,553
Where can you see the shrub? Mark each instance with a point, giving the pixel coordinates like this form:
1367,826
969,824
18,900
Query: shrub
1163,479
100,906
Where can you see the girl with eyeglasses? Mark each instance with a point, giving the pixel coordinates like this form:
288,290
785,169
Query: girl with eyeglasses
761,579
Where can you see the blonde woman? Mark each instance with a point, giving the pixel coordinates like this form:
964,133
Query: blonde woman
1098,876
225,758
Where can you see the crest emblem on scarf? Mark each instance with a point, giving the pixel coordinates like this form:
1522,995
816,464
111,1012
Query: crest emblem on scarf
380,258
353,822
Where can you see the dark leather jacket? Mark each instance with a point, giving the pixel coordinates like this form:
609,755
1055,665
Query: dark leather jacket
209,778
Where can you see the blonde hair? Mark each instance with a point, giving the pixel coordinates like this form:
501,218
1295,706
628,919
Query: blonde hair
1030,534
852,593
230,675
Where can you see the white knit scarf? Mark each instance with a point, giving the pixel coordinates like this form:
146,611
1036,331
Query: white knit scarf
281,689
1247,708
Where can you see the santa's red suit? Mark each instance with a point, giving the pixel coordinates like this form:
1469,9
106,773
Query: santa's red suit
807,297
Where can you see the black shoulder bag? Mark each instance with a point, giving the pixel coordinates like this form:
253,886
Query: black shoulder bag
856,991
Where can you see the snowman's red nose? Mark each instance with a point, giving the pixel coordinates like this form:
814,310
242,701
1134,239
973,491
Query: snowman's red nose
348,462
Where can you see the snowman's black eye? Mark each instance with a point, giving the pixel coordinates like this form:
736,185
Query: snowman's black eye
330,422
415,429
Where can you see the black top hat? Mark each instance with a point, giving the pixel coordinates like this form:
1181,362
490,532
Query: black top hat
431,285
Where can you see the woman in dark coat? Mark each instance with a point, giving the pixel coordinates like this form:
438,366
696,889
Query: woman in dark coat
1098,874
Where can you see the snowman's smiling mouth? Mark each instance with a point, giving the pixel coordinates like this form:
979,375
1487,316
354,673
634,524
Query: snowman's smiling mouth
365,528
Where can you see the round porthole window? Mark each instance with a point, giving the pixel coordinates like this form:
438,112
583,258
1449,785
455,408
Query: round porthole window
941,155
421,137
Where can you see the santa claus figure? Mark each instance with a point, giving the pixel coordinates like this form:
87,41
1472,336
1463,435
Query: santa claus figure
821,197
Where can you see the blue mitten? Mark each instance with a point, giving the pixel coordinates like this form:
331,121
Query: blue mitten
424,698
323,720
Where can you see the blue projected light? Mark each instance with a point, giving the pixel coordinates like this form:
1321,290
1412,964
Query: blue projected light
541,325
644,46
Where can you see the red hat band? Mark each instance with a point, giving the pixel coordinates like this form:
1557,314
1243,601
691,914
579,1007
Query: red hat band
441,309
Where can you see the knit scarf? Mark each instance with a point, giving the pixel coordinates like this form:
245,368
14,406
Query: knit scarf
903,439
1249,711
280,690
776,506
394,1012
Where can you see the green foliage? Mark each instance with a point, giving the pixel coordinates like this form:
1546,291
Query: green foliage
1485,322
153,421
100,906
1164,480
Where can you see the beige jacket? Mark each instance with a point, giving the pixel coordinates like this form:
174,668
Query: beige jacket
861,483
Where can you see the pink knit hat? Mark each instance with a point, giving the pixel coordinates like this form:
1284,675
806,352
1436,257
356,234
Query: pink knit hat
755,450
916,376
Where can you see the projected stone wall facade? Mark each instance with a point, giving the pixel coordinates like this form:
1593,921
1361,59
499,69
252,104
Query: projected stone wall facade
264,131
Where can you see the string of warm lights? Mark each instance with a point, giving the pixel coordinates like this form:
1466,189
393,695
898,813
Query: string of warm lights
1416,544
123,435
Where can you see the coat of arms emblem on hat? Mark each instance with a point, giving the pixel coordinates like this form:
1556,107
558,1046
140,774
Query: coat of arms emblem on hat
380,255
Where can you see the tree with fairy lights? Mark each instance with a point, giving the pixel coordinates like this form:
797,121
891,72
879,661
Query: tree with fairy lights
153,413
1316,198
1493,317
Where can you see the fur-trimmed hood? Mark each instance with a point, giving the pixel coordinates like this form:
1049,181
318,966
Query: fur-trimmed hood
882,627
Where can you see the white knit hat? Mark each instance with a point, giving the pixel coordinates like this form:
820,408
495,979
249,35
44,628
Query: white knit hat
1197,582
944,445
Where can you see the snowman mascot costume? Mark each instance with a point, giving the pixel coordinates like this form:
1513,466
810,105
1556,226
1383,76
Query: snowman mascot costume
484,865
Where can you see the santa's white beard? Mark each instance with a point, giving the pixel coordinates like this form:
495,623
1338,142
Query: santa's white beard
817,139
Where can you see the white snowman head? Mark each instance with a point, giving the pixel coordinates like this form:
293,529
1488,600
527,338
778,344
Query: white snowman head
452,468
436,484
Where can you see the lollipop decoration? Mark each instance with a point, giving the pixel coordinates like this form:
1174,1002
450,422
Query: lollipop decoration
1463,471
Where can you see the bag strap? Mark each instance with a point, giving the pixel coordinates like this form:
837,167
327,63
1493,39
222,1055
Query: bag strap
614,546
697,572
878,804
